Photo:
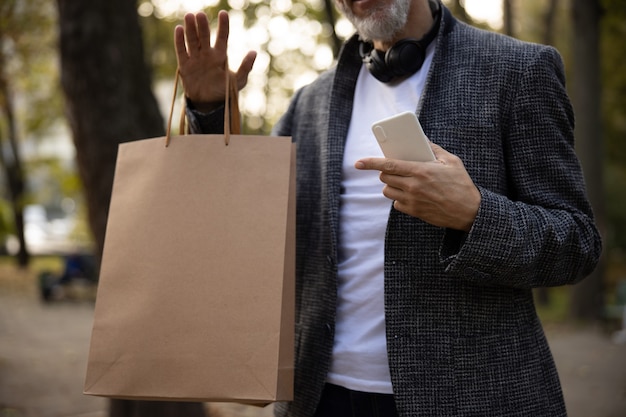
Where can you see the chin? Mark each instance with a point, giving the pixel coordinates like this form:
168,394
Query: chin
382,23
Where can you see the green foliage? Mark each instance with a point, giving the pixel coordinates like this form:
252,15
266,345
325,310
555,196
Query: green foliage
292,38
556,312
615,177
614,80
53,180
158,37
614,119
29,54
39,263
28,48
7,226
531,24
457,7
531,27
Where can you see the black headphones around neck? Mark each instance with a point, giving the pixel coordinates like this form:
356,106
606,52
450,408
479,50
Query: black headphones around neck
405,57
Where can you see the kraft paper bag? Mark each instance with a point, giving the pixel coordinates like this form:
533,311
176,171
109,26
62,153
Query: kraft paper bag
196,293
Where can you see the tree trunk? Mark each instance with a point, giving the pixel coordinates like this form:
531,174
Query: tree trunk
458,9
330,16
550,20
109,100
587,298
11,160
108,93
508,17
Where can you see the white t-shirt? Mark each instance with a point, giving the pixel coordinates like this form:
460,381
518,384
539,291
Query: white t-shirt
359,359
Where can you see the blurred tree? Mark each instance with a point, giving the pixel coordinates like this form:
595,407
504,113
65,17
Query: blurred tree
508,17
107,87
550,22
587,297
25,54
107,90
332,21
545,20
457,7
30,100
158,40
614,123
11,159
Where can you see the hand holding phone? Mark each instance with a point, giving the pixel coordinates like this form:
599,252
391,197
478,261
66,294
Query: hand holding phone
401,137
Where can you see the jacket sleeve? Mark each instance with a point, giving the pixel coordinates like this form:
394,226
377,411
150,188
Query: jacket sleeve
207,123
543,232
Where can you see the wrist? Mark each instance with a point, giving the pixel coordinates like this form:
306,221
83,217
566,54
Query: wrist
203,107
472,211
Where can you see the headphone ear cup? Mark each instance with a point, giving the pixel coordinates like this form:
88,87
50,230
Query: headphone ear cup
405,57
377,66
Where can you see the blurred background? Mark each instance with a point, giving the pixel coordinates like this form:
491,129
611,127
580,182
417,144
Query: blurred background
77,78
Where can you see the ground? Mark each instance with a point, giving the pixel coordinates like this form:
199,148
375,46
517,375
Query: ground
43,352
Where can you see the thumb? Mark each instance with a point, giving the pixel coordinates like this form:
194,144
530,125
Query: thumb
244,69
441,155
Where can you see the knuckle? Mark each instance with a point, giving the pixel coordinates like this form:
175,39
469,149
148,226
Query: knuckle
389,166
454,159
413,188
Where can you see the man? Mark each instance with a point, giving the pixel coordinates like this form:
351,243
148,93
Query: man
414,280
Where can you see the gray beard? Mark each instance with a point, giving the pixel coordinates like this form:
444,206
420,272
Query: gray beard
384,22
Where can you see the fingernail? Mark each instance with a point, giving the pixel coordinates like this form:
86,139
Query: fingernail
359,165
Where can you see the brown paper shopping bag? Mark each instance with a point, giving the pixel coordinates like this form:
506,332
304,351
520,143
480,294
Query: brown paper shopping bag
196,293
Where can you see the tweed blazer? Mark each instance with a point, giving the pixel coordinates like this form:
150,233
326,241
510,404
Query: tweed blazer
462,332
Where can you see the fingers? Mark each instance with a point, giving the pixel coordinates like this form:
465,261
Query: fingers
245,68
223,29
191,33
203,66
198,34
388,166
404,168
179,43
441,154
204,34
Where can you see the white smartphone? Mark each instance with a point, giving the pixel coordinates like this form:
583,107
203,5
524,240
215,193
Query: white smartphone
401,137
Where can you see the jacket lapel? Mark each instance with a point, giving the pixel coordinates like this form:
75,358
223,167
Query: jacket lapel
340,114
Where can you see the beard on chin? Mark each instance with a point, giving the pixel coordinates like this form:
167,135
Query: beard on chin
382,24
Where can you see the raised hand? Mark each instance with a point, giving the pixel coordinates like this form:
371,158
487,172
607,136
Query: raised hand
202,66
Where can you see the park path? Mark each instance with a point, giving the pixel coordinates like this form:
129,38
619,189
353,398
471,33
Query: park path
43,350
